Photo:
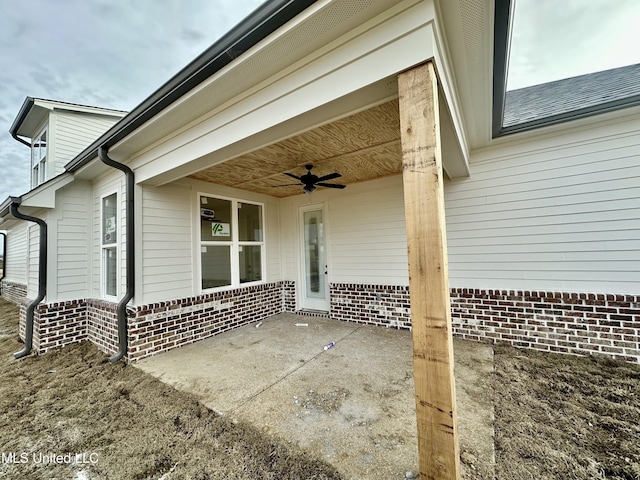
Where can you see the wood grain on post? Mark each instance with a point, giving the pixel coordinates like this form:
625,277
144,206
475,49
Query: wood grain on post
428,274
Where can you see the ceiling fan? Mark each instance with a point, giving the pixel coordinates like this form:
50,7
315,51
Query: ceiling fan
311,181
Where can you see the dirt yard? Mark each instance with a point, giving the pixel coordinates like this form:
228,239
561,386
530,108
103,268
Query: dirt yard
564,417
71,415
123,423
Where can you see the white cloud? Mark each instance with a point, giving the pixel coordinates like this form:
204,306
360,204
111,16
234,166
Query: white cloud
107,53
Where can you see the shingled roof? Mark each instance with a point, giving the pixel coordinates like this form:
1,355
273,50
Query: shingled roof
573,97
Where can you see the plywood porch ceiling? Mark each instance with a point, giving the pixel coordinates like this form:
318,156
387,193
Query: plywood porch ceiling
361,147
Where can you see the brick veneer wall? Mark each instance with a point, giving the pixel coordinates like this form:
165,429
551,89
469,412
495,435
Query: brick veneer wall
58,324
166,325
385,305
289,295
102,324
156,327
576,323
22,317
55,324
13,292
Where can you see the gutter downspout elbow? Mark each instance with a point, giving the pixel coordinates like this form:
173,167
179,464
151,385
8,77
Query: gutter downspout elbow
16,137
123,340
4,259
42,277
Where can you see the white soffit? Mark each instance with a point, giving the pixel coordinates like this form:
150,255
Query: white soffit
468,28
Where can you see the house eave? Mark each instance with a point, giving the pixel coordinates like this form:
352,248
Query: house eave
313,90
4,209
43,196
34,111
258,25
25,109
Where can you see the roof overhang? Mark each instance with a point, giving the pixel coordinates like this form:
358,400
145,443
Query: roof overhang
467,32
34,112
263,21
29,118
189,100
43,196
342,71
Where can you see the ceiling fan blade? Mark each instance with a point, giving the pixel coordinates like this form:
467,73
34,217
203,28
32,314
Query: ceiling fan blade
330,185
287,185
292,175
331,176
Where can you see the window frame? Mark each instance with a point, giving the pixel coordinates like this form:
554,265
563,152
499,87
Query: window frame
105,247
235,243
39,161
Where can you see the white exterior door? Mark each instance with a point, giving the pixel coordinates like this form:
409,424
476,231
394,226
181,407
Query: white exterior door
315,287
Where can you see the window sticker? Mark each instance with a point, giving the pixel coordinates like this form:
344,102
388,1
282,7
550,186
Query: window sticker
110,225
220,229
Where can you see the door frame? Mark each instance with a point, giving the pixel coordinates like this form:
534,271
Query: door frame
304,303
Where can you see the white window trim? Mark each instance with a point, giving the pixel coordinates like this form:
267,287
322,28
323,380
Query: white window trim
39,176
104,248
234,244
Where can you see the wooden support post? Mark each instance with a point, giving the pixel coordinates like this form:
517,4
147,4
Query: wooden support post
428,274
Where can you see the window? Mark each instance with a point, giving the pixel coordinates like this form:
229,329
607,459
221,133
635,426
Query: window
39,159
231,242
559,61
109,245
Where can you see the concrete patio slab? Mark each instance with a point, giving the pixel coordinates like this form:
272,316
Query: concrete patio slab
353,404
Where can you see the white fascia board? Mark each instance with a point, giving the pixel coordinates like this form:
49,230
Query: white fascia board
452,118
396,43
72,107
44,196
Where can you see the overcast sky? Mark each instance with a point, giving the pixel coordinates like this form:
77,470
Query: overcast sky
106,53
554,39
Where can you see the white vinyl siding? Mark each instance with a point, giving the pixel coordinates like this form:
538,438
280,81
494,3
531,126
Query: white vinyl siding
166,236
560,213
273,238
289,243
16,261
74,132
366,236
72,254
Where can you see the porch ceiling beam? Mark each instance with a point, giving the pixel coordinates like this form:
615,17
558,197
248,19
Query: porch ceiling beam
428,274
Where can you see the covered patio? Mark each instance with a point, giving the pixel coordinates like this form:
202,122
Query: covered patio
352,405
346,252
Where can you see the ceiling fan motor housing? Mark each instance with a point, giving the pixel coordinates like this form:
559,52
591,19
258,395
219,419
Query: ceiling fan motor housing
309,180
